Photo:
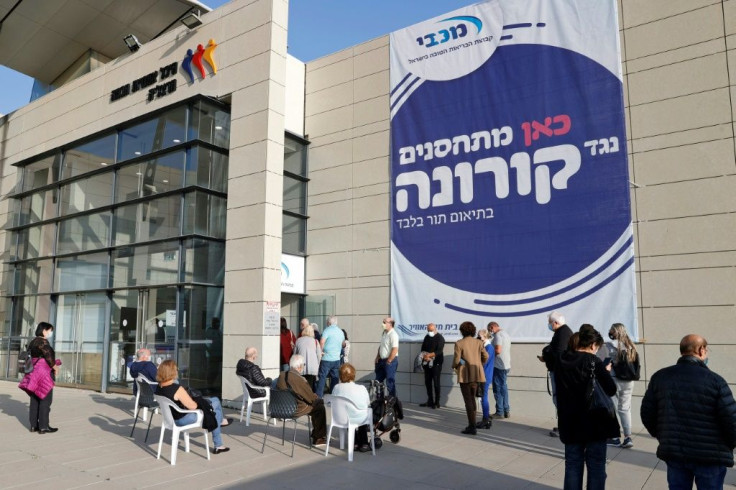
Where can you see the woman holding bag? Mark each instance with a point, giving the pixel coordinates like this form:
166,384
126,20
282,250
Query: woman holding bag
582,430
626,367
39,383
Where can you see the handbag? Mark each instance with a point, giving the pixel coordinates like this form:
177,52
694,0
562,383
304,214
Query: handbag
597,400
25,361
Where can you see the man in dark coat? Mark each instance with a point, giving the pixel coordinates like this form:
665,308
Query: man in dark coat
248,369
432,361
692,413
552,352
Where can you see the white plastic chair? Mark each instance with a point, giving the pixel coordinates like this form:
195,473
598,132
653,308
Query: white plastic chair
154,384
167,422
341,408
250,401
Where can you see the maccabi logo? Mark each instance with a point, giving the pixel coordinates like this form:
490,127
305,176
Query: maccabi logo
284,271
195,58
455,32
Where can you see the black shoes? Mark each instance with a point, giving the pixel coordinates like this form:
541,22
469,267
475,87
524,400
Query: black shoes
484,424
470,430
47,431
221,450
34,429
506,415
427,404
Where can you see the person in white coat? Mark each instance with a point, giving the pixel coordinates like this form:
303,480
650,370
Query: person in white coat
357,394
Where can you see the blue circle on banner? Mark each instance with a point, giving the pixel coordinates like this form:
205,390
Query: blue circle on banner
526,245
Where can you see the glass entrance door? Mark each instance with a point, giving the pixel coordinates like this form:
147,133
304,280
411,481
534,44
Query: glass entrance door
80,327
140,318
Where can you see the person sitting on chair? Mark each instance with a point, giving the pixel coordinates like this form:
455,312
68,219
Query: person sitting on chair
307,402
167,374
142,365
248,369
357,394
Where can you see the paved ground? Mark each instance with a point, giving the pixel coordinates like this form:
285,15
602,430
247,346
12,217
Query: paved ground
92,449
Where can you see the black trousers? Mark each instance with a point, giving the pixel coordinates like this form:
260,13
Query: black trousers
432,382
39,413
469,391
312,380
319,423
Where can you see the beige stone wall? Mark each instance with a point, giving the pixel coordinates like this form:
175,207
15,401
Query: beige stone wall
679,65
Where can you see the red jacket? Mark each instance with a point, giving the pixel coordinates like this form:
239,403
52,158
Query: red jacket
288,339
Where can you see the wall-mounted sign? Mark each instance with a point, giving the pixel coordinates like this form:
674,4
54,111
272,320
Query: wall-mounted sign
272,318
292,274
168,71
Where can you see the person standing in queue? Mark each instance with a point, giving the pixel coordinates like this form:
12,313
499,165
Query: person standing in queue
387,358
468,362
552,352
39,384
432,345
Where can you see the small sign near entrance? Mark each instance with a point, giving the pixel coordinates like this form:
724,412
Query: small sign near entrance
272,318
170,318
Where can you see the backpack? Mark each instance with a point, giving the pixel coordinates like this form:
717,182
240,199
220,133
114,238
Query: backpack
25,361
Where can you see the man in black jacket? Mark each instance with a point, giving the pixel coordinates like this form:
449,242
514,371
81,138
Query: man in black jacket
432,346
250,371
692,413
552,352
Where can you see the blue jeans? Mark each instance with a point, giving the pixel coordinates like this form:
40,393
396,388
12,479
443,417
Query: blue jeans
387,371
483,387
591,455
331,368
707,477
501,390
190,418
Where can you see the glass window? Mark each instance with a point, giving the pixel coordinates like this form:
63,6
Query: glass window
36,242
295,195
150,177
207,168
38,207
88,271
165,131
205,214
205,261
27,311
145,265
200,336
210,123
293,231
146,221
42,172
295,157
86,194
89,156
84,233
33,277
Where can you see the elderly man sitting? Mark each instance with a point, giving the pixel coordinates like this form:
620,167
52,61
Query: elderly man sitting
248,369
143,365
307,402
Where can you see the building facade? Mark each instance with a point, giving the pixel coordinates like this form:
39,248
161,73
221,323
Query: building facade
164,222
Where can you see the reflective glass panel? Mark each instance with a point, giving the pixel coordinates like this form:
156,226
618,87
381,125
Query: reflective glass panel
42,172
295,157
33,277
207,168
84,233
38,207
88,271
146,221
293,236
211,124
295,195
165,131
145,265
27,311
86,194
205,214
36,242
89,156
205,261
150,177
200,337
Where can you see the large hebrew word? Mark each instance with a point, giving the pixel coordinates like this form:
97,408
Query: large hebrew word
602,146
445,35
494,138
552,126
466,173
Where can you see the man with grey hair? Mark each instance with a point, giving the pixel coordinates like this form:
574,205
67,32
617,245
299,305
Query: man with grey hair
144,366
307,402
552,352
331,343
248,369
387,357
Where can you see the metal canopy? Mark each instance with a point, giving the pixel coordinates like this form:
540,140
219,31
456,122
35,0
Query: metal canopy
42,38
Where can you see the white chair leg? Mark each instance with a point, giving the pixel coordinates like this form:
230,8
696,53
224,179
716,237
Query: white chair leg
207,444
242,409
160,443
351,443
174,446
145,413
247,417
373,443
265,411
329,435
342,438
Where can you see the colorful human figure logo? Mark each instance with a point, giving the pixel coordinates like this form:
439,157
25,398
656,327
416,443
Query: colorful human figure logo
195,58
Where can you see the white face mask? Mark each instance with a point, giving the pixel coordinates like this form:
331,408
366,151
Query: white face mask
431,334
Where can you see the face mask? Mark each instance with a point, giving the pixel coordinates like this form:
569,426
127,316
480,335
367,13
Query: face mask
385,327
50,336
705,361
610,336
551,327
431,334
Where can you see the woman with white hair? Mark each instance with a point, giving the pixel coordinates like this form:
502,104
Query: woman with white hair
308,347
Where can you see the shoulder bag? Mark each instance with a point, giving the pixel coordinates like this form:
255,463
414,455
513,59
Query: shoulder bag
597,400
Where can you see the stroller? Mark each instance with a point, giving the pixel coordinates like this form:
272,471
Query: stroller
387,412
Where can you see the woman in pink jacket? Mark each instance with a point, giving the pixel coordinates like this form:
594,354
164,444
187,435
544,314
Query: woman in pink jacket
39,383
